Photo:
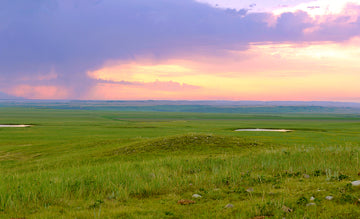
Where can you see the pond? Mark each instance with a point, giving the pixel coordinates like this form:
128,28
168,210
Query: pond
263,130
14,126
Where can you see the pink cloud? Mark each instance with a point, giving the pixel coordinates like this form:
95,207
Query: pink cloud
39,92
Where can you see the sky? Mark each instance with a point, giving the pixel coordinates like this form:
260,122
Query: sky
267,50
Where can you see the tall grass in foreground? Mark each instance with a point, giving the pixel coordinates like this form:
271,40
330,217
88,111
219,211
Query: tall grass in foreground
276,169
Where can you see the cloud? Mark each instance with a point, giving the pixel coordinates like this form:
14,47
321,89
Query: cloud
38,92
71,38
158,85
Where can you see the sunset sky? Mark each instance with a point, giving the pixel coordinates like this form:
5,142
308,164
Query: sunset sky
181,49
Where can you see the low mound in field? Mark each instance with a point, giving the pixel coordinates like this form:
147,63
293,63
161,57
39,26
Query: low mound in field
188,142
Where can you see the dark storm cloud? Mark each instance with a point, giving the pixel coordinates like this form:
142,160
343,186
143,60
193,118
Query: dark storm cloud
72,37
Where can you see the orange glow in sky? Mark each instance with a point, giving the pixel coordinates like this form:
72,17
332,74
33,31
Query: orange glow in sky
323,71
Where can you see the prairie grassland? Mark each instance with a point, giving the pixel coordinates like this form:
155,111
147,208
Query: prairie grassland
98,164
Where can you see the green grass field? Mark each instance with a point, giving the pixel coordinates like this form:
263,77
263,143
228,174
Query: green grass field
112,164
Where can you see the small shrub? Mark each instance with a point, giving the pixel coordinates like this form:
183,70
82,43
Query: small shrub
96,204
302,201
202,190
317,173
342,177
346,198
347,188
226,180
169,213
286,153
267,209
